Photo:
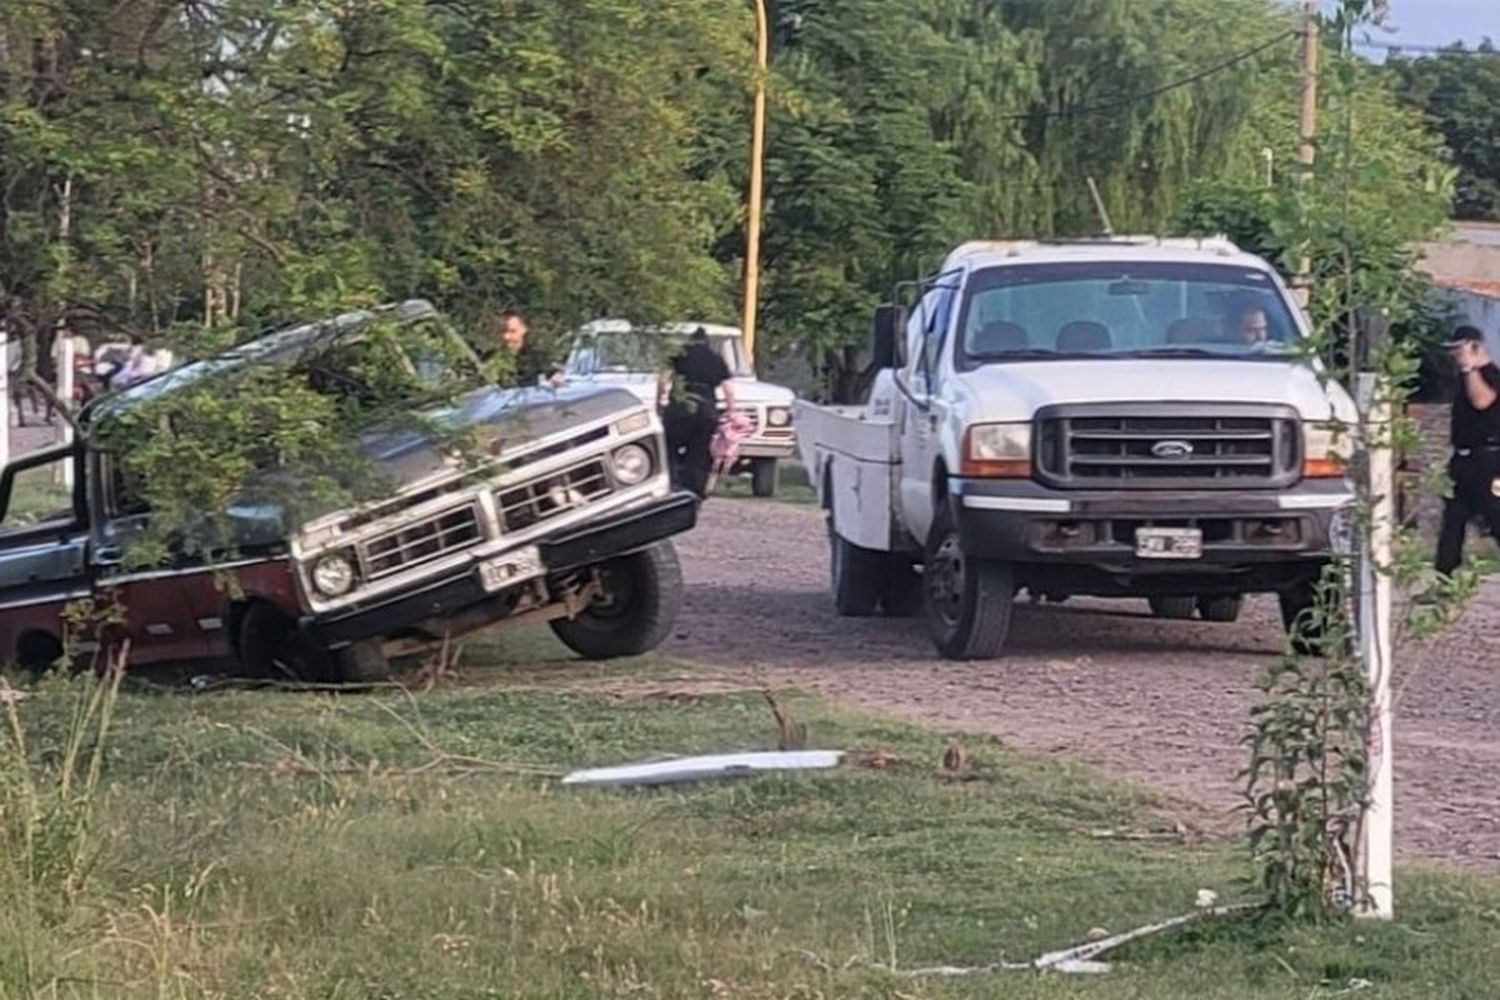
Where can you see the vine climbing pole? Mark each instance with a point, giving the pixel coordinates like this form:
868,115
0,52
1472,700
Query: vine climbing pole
1373,619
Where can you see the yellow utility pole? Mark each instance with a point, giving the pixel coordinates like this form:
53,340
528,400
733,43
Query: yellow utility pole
757,180
1307,148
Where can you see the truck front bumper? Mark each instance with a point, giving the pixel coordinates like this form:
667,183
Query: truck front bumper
774,448
1266,535
463,593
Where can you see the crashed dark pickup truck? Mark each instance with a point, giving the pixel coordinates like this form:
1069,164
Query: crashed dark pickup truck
564,514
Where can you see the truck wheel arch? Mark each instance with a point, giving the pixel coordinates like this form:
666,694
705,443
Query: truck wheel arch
939,483
37,649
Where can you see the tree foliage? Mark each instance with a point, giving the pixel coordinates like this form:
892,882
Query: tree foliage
1458,92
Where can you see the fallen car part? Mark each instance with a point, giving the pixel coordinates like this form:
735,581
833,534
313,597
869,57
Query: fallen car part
713,766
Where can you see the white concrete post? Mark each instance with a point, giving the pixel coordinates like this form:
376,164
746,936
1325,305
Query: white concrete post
63,349
1377,833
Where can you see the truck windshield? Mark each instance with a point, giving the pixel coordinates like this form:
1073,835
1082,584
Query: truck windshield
635,352
1122,309
399,365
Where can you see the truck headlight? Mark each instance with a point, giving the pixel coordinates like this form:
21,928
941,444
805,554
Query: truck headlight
1324,444
632,464
778,416
997,451
333,575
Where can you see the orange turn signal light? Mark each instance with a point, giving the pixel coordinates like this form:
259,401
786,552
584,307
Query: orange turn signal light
1324,468
974,468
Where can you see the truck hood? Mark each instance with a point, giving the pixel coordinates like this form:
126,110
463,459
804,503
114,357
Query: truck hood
505,421
1014,392
411,459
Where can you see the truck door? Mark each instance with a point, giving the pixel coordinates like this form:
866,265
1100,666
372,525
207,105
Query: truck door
921,407
167,606
42,540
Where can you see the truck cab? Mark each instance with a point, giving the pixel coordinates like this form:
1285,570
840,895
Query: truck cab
613,352
1128,417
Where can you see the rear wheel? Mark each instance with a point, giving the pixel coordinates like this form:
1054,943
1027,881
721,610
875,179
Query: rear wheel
855,575
1173,607
763,477
38,651
968,600
641,599
1225,608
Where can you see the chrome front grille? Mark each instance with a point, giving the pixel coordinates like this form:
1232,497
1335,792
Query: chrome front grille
541,500
1192,446
420,543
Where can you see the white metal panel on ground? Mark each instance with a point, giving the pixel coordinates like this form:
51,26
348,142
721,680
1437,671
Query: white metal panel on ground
728,765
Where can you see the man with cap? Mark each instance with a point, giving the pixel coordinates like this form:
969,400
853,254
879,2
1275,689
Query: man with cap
1475,434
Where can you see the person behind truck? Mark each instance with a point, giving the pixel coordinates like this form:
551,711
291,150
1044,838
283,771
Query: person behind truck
1474,431
692,411
531,365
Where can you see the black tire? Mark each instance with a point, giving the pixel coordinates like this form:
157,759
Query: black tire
763,477
901,591
1307,637
968,601
855,575
272,646
1178,608
643,594
38,652
363,663
1224,608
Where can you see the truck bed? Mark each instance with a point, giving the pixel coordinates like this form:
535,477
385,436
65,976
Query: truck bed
852,458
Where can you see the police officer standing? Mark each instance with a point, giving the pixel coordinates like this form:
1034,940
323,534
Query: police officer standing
693,413
1475,465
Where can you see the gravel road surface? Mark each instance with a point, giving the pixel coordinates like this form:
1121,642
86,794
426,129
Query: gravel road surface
1161,703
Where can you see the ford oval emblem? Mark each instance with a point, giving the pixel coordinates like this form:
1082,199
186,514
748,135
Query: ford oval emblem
1172,449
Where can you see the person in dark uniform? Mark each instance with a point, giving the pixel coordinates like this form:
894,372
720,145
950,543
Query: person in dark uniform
1475,465
692,411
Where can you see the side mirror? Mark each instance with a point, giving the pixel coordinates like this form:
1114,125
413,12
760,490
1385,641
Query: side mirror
890,320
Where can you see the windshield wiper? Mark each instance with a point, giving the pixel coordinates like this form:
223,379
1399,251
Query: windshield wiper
1175,352
1019,354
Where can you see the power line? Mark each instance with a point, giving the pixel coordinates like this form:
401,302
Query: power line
1146,95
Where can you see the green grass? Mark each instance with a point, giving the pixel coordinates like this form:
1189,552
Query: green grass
270,844
35,497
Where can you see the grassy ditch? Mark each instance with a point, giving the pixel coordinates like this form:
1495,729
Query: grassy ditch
275,844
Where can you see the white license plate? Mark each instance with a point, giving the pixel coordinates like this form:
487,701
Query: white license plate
1169,543
511,568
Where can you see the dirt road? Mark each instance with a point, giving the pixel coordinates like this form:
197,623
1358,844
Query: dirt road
1163,703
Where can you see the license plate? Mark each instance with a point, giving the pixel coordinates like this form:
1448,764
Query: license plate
511,568
1168,543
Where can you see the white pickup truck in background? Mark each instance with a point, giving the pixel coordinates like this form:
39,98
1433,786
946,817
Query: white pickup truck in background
612,352
1125,417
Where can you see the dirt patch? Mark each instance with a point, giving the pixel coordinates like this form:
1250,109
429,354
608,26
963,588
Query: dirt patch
1163,703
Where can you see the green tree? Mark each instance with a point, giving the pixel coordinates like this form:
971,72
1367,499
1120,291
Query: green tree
1458,92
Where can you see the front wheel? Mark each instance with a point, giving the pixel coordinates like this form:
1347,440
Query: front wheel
641,599
271,645
1177,608
1224,608
763,477
1310,613
968,600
